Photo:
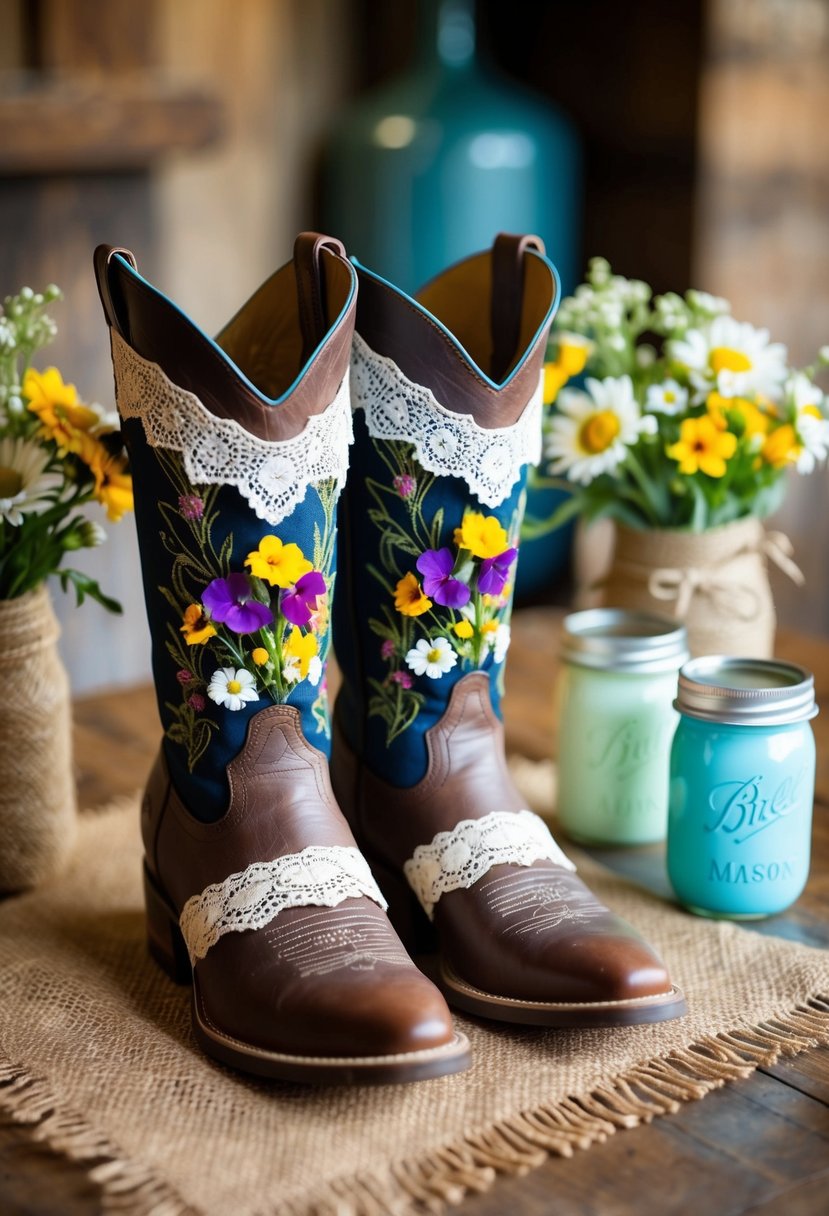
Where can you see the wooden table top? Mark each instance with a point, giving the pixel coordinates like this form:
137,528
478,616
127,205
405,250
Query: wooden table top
759,1146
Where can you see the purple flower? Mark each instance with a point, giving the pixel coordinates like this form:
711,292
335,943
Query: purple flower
230,601
184,676
299,601
196,702
405,484
387,649
436,566
494,572
190,506
402,678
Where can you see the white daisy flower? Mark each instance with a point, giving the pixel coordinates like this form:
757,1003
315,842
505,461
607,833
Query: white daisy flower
814,437
666,398
500,643
232,688
25,486
291,672
590,434
431,657
732,357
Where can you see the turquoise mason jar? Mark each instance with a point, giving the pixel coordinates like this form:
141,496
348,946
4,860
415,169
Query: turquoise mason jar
742,787
616,722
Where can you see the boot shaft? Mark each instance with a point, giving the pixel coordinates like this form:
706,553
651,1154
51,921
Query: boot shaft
239,448
447,397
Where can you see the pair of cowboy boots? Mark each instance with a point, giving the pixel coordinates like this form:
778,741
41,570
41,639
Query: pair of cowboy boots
276,841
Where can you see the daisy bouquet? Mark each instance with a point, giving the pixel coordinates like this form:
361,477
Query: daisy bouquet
57,453
684,417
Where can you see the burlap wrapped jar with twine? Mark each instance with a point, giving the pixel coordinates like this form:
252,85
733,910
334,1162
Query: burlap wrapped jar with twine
37,789
716,582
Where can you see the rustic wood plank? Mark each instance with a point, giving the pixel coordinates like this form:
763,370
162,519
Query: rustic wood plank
72,124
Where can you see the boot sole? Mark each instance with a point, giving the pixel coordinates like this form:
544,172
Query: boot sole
166,946
660,1007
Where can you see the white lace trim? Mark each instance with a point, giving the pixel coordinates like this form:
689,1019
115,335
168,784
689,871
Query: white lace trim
445,443
320,875
271,475
460,857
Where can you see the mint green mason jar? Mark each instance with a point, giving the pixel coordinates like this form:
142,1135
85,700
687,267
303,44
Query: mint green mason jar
742,787
616,721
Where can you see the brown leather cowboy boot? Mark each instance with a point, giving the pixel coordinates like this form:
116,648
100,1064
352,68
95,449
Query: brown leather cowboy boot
447,392
255,888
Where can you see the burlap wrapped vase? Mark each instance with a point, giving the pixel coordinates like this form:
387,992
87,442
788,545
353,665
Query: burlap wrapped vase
716,582
37,788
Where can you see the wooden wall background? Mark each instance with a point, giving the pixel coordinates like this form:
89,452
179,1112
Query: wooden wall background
189,130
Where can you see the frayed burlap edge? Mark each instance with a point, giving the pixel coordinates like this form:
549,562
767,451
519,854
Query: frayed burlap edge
510,1147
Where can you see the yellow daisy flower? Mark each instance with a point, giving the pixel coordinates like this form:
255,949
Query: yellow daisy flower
702,447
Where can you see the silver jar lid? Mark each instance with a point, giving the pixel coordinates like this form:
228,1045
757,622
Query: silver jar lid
614,639
746,692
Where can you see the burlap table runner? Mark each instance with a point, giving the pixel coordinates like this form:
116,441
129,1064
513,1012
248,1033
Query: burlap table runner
96,1058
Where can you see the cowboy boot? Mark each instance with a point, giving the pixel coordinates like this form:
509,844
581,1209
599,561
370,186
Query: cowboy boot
446,390
255,889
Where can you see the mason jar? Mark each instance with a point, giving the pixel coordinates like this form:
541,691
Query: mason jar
616,722
742,786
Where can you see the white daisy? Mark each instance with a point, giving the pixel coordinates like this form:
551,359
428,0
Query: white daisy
431,657
590,434
25,486
666,398
291,672
232,688
732,357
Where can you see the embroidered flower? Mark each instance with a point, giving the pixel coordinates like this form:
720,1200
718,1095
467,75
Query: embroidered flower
482,535
302,647
230,601
402,678
232,688
442,443
196,702
387,649
190,507
494,572
409,598
702,447
184,676
260,656
297,603
196,626
277,564
436,566
431,657
405,484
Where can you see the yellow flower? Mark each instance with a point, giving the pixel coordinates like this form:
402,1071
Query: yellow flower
781,447
702,447
555,377
482,535
113,484
277,564
489,627
260,656
196,627
754,420
302,646
463,629
63,417
409,598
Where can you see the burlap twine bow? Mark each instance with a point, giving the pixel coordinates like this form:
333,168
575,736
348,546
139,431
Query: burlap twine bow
715,581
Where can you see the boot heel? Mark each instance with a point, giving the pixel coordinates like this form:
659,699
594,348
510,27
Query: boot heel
164,939
410,922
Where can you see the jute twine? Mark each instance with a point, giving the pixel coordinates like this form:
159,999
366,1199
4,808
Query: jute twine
37,790
716,582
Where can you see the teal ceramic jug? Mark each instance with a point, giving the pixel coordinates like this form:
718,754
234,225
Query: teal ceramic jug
429,167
